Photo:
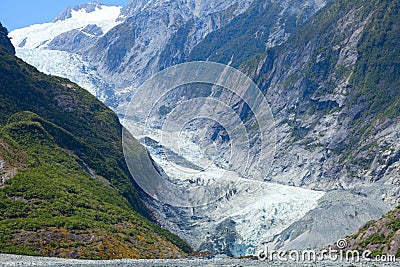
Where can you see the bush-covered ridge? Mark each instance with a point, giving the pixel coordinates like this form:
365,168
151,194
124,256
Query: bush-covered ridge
381,237
53,207
96,128
65,189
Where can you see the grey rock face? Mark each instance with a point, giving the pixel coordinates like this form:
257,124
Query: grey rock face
74,41
308,82
66,14
322,143
156,35
87,7
153,35
338,214
133,8
264,25
313,114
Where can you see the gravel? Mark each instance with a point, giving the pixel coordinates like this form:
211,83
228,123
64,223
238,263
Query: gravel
17,260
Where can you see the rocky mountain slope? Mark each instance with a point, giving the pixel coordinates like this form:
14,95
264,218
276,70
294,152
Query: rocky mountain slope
336,111
336,101
382,237
264,25
65,189
337,128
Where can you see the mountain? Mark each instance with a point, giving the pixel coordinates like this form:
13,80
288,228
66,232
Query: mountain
65,189
81,24
381,237
329,71
264,25
5,41
337,102
336,118
164,32
75,29
337,129
333,89
135,42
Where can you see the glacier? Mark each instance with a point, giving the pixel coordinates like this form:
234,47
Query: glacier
67,65
259,210
39,35
240,217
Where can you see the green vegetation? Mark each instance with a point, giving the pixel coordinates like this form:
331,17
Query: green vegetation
376,253
374,239
68,191
250,66
96,129
246,35
54,191
378,69
4,41
374,79
373,89
379,236
395,225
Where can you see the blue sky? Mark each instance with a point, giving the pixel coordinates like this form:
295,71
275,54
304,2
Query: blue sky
16,14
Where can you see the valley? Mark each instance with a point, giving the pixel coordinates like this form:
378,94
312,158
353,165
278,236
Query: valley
291,140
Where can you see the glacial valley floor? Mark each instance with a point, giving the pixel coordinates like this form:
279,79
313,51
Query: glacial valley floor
17,260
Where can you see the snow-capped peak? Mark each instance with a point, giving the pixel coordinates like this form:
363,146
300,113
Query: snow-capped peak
77,18
88,8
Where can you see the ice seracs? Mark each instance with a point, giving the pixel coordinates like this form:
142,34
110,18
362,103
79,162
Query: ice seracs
243,213
64,64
